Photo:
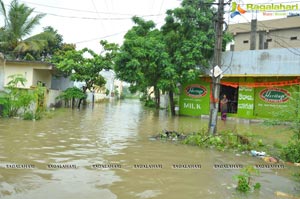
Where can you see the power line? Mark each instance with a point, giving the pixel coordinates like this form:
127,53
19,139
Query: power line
89,11
289,48
99,38
92,18
283,37
95,7
298,54
161,5
77,17
77,10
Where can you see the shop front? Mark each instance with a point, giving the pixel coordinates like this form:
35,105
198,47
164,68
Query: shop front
248,97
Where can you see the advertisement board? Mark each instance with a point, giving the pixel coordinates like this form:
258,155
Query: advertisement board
194,98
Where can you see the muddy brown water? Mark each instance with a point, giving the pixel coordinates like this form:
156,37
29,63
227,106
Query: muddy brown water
117,135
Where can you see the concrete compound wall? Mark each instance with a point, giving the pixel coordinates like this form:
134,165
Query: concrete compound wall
276,62
51,97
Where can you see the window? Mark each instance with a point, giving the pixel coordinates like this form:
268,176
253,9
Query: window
293,38
246,41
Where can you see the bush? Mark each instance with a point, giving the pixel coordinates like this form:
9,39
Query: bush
4,106
17,101
291,152
70,94
150,103
32,116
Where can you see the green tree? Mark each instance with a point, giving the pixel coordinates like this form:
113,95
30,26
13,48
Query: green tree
189,36
53,44
18,24
85,65
142,58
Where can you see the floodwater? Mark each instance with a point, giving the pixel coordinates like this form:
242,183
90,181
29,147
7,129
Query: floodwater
117,135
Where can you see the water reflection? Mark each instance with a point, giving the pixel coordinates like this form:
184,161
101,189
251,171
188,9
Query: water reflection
118,133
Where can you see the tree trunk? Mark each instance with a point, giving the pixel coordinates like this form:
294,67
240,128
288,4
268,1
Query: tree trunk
172,104
79,103
93,100
73,102
80,100
157,97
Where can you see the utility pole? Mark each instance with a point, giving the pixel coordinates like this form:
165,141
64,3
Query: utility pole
215,91
253,34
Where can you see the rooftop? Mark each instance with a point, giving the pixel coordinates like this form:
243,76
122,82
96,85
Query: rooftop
267,25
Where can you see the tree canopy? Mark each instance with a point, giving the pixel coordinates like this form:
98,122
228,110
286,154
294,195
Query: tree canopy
85,65
142,58
15,38
189,35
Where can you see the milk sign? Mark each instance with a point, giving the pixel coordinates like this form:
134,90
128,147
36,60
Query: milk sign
274,95
195,91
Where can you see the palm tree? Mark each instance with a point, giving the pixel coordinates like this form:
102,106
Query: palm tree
18,24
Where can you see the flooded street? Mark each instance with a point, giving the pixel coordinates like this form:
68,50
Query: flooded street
118,134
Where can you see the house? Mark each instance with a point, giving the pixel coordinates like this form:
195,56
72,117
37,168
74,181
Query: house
113,85
259,83
35,72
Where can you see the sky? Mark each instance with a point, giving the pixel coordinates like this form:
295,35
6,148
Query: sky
87,22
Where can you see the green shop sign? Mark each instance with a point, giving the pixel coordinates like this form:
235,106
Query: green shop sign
274,95
195,91
194,98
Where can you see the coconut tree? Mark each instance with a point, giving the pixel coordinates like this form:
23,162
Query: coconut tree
18,24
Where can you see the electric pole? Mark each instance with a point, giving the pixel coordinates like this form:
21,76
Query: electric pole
215,91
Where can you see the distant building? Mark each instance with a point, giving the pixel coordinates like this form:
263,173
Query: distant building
276,33
109,76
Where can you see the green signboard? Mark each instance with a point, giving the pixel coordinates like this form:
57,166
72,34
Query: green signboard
245,102
194,98
272,102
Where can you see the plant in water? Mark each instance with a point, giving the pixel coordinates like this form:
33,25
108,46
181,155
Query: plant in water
196,139
70,95
245,179
225,140
18,101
